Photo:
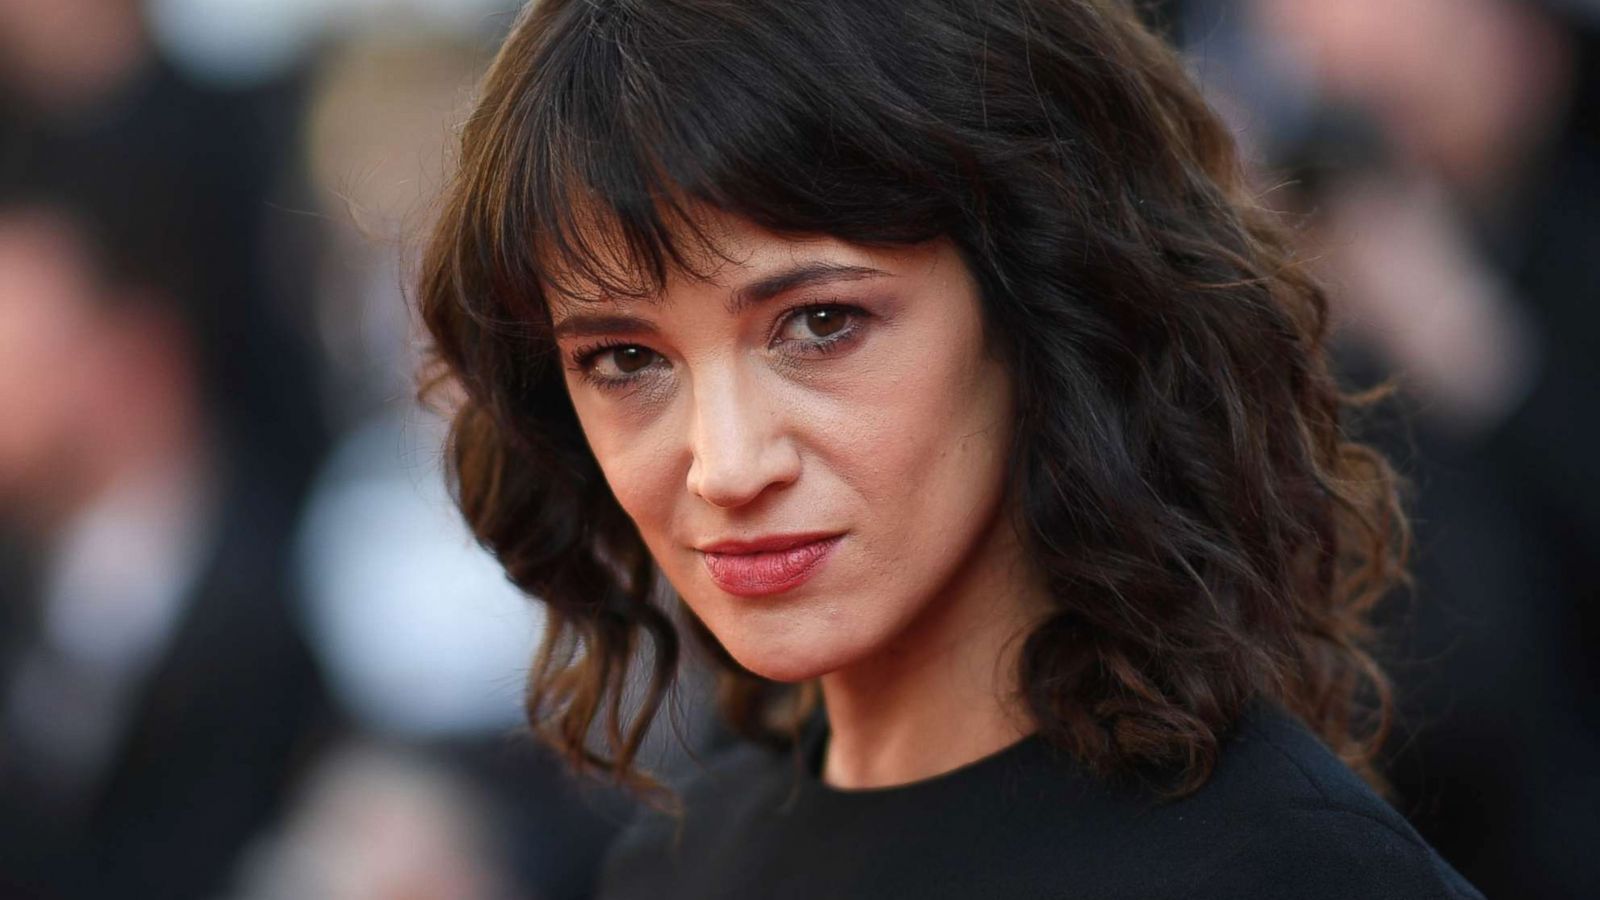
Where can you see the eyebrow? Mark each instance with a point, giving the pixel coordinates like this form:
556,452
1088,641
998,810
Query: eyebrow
807,274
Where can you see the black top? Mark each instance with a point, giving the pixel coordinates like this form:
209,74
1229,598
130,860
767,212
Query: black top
1281,817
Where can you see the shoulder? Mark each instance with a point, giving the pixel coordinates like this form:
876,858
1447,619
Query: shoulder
1332,852
1315,829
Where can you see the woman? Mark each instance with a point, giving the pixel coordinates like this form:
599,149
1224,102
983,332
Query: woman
932,354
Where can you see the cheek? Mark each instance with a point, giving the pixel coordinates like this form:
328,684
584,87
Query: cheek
636,459
641,453
925,439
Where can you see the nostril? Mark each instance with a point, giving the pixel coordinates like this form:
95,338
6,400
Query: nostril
735,475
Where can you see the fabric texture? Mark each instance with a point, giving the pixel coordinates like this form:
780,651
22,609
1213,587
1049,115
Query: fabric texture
1281,817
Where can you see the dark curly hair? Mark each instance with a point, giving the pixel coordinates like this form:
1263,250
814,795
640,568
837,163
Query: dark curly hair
1180,466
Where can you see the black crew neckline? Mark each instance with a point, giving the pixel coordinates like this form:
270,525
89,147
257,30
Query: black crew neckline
815,744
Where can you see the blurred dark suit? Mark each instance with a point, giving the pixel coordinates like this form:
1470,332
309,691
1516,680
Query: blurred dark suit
213,737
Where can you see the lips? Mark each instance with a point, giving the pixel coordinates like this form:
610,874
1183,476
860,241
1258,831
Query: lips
769,565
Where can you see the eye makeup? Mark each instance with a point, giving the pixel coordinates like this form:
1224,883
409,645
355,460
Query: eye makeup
591,361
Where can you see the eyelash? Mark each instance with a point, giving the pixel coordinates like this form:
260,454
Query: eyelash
583,357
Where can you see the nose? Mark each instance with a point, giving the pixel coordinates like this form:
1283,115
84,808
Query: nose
737,441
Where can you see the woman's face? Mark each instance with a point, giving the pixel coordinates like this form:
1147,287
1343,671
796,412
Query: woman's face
812,442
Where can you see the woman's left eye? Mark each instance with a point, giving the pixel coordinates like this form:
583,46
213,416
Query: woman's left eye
818,324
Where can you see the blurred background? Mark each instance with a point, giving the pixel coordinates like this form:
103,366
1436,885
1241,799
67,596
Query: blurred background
247,650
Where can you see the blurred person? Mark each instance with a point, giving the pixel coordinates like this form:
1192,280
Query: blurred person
155,696
68,58
1456,197
1464,231
86,98
928,365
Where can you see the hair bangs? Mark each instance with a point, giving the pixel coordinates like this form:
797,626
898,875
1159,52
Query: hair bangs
608,219
639,133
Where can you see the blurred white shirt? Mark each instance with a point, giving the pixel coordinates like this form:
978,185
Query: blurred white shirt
416,625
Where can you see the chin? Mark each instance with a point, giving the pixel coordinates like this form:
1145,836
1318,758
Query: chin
791,661
784,671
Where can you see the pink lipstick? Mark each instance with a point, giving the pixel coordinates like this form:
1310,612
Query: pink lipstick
768,565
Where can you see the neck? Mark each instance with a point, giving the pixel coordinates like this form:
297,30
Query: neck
945,694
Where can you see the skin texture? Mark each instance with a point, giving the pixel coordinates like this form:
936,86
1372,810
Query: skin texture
735,426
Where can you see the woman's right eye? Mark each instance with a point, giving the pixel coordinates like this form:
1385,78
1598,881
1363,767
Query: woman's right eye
614,363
